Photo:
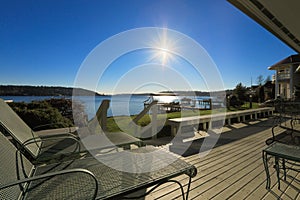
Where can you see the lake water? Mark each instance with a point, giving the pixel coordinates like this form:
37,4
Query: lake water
119,104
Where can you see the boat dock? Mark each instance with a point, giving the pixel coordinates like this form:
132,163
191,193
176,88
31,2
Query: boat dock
184,104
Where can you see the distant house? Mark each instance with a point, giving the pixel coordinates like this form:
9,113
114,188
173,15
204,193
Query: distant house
269,90
261,93
287,77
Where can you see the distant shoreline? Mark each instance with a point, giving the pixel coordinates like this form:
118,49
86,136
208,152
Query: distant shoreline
59,91
19,90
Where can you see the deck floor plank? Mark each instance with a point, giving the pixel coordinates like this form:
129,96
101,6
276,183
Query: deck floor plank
234,170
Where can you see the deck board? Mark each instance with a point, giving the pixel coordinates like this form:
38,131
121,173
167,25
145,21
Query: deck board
234,170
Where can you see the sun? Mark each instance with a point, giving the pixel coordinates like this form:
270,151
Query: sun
163,55
162,49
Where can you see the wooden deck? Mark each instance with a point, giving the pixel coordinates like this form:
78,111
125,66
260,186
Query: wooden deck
234,168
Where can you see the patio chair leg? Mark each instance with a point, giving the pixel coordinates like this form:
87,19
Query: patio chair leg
265,160
188,189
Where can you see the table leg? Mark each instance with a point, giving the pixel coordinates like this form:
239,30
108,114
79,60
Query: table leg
265,160
277,170
284,169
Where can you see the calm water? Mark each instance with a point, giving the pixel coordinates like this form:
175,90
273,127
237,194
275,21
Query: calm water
119,104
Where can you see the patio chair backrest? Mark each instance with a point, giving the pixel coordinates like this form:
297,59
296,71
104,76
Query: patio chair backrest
8,168
17,128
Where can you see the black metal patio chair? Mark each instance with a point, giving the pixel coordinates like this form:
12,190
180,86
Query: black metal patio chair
88,178
285,122
41,149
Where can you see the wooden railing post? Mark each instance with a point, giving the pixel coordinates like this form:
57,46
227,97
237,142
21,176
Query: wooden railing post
101,116
154,111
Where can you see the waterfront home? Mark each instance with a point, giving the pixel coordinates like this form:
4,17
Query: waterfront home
287,77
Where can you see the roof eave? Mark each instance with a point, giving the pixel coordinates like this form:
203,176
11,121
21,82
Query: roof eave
261,19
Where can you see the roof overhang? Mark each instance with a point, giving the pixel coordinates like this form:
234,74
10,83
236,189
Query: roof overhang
291,60
280,17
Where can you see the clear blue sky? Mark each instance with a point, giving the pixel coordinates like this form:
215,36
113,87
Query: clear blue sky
45,42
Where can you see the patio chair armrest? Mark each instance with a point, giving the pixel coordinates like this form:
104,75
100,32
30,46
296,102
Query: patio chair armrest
58,136
53,137
86,173
58,131
49,125
192,172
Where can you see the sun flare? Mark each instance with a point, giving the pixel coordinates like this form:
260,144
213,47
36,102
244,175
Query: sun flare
162,49
163,55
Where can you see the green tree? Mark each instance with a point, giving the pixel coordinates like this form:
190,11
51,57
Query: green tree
241,92
39,113
268,79
260,80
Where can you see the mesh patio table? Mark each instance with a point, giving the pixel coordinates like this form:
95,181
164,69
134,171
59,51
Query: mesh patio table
282,152
121,173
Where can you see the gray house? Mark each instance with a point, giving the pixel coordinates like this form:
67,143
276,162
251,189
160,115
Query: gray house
287,77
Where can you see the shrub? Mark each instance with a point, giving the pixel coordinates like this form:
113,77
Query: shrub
38,113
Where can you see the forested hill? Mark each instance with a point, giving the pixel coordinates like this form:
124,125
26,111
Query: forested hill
13,90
